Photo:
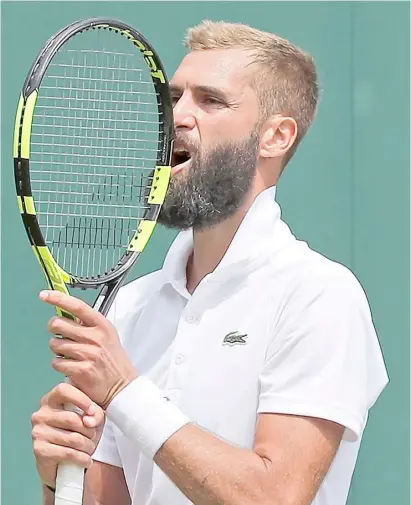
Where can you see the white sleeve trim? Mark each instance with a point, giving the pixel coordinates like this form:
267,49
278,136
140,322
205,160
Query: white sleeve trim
275,405
104,458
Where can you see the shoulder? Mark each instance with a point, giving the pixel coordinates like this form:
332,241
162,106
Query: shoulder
309,277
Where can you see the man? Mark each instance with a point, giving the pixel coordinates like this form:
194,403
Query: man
248,363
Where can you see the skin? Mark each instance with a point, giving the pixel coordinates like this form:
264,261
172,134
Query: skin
232,117
291,454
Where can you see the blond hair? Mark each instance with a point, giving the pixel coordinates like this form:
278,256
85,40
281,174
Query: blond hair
286,81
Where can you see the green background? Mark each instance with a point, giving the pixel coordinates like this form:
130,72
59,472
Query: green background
346,192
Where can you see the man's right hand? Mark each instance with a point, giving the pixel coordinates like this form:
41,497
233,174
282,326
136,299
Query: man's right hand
60,435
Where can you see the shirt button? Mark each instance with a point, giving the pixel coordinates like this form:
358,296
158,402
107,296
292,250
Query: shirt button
191,319
179,359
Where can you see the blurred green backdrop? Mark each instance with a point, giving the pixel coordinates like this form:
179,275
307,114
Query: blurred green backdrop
346,193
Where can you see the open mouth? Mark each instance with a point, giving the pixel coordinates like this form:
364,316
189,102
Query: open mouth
180,156
180,159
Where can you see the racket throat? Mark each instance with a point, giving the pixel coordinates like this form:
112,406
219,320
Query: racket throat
107,295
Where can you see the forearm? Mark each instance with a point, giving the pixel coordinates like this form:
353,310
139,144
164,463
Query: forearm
210,471
206,469
48,496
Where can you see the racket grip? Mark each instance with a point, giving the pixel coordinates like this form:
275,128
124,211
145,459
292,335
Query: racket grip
70,478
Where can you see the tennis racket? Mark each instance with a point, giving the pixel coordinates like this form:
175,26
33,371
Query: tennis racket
92,151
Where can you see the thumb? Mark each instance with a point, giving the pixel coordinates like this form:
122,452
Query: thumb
94,416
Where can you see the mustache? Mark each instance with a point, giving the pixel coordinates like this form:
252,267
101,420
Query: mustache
187,141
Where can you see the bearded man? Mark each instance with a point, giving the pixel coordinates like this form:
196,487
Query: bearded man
243,371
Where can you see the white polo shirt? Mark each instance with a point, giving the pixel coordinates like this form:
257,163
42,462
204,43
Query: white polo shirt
275,328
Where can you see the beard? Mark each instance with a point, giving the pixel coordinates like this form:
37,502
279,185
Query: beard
213,187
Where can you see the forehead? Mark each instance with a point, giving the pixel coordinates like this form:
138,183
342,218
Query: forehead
223,68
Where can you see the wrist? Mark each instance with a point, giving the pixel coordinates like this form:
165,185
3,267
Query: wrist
144,414
117,388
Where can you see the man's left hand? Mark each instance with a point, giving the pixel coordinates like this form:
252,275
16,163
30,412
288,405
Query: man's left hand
90,354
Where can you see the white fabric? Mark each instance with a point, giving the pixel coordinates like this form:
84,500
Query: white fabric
309,348
154,420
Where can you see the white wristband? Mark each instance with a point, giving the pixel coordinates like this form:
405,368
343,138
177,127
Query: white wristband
143,413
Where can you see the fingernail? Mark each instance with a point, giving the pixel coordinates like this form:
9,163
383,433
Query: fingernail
92,409
44,295
91,421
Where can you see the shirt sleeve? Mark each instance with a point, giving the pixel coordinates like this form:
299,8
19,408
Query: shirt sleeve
324,359
106,450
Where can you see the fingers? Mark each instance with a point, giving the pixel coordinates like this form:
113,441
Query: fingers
78,308
62,435
44,451
64,438
69,349
67,327
65,393
75,370
64,420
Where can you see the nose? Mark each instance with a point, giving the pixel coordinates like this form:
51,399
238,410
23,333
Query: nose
184,113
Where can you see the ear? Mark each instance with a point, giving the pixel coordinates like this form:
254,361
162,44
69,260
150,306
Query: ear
278,136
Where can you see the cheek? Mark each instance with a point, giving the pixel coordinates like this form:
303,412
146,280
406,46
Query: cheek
225,126
201,115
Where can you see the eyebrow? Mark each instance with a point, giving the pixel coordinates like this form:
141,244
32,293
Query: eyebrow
210,90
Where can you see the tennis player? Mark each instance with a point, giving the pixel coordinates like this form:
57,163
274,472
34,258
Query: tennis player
244,370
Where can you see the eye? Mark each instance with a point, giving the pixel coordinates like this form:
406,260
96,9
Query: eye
210,100
174,100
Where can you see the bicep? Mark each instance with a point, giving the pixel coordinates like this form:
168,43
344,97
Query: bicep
107,485
297,452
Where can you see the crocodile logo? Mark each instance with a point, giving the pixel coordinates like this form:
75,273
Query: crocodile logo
235,338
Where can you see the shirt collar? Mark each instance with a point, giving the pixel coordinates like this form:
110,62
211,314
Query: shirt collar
261,234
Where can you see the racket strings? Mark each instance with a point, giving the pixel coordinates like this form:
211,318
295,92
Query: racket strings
83,234
95,139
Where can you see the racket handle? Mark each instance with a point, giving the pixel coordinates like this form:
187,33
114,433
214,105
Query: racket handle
69,484
70,478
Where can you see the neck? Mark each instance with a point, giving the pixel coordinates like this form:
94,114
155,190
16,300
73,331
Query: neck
211,244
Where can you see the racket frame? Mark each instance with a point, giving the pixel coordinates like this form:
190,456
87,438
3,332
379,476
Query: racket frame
70,477
57,278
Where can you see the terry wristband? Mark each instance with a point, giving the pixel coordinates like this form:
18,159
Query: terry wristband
143,413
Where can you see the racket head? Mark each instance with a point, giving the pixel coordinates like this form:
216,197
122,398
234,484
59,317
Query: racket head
92,150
